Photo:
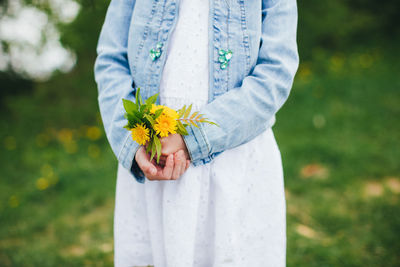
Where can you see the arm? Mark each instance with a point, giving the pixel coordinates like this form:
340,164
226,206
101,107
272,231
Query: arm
114,82
243,112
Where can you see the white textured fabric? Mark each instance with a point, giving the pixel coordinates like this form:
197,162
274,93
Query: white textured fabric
229,212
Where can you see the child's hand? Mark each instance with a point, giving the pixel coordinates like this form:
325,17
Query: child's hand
172,144
175,165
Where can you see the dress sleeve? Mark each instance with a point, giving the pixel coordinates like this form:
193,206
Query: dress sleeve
243,113
114,82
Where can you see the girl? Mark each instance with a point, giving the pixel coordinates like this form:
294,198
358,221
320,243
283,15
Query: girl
217,196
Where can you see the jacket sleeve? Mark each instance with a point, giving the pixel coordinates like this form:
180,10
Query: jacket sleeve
114,82
243,113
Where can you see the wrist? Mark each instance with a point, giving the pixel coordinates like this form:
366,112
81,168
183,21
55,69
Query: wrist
185,149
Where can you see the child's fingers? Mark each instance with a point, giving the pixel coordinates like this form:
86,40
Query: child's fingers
183,168
169,167
145,165
179,160
163,172
187,164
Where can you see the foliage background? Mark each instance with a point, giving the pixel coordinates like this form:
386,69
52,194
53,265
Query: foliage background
338,134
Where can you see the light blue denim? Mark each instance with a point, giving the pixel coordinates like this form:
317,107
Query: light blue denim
243,98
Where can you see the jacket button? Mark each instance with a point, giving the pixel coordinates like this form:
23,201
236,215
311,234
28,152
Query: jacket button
224,58
155,53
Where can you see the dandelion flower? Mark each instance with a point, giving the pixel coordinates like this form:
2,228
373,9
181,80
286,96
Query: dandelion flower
170,112
140,134
42,183
154,108
165,125
166,111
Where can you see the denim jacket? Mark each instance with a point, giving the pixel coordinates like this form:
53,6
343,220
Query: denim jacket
243,97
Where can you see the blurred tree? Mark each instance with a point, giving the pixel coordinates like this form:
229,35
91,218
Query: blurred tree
30,37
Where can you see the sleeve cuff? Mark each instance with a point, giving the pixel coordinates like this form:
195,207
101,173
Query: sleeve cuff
137,172
197,145
127,159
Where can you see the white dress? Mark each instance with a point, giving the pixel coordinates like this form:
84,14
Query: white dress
229,212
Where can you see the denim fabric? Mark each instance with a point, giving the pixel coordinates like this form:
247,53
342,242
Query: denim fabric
243,98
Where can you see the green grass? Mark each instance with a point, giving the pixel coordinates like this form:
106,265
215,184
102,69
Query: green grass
338,134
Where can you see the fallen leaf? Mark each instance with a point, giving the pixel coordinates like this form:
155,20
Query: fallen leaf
306,231
393,184
106,247
314,171
373,189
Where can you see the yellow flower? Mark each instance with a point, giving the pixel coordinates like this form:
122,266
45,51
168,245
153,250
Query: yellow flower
165,125
166,111
140,134
170,112
154,108
42,183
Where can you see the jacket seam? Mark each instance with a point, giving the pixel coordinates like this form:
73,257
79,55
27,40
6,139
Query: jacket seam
159,33
205,140
245,34
190,153
145,34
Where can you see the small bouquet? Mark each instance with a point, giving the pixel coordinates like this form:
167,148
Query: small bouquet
149,122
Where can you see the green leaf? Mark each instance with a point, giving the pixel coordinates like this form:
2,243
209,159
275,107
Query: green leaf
158,113
148,148
129,106
194,115
140,100
187,112
181,129
194,123
149,119
132,119
153,149
181,111
158,147
211,122
137,96
138,114
179,125
152,99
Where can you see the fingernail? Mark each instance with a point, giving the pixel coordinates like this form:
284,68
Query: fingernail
153,171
